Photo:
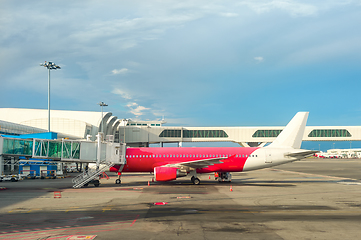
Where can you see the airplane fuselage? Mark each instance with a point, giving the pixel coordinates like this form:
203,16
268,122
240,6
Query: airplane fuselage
235,159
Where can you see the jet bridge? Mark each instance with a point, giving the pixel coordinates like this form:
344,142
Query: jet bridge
104,154
78,151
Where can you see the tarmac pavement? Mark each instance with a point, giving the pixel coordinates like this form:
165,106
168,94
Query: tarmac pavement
310,199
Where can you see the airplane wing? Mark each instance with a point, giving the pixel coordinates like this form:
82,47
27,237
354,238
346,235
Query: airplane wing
203,163
302,154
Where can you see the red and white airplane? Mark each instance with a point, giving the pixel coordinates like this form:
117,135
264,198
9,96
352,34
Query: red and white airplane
170,163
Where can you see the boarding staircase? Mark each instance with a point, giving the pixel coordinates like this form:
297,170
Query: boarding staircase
90,175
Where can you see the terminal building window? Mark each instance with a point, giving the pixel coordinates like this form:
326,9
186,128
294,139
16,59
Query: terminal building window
204,134
267,133
194,133
329,133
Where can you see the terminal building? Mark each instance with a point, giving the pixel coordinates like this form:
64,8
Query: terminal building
85,125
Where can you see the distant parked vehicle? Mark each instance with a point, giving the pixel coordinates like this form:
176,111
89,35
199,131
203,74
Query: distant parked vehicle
71,169
13,178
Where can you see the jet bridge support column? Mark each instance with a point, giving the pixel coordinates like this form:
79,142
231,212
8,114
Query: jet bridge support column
12,166
99,139
1,165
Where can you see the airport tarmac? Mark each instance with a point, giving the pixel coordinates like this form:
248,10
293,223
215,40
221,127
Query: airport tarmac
310,199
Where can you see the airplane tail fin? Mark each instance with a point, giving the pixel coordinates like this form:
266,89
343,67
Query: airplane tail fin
292,134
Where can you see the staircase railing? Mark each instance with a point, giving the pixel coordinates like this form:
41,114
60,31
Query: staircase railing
89,175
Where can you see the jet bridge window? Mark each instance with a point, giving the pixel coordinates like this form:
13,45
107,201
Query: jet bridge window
171,133
267,133
204,134
329,133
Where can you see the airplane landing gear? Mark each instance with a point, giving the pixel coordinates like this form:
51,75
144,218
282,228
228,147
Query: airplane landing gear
195,180
118,181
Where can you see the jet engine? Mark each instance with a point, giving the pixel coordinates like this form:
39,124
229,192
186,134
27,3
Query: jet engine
163,174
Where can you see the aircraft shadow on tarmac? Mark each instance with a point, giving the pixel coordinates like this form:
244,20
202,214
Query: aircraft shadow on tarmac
237,182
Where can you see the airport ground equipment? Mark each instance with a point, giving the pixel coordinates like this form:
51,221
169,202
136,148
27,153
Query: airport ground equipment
90,176
223,176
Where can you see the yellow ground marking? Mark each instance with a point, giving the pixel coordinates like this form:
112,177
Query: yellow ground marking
106,209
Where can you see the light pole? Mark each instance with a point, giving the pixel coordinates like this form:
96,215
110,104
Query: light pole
125,122
102,104
148,134
49,66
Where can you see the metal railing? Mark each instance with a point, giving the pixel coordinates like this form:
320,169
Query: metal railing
89,175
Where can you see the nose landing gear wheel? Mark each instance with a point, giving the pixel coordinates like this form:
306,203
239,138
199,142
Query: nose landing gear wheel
118,181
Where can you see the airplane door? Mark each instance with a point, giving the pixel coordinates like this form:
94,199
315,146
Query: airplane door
268,158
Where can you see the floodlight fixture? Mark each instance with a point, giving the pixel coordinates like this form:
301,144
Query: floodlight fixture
49,66
102,104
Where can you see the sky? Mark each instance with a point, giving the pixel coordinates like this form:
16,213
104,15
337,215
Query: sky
195,63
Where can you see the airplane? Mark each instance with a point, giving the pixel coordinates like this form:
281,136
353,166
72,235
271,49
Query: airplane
327,155
170,163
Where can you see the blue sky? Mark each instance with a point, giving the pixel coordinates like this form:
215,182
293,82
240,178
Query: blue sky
197,63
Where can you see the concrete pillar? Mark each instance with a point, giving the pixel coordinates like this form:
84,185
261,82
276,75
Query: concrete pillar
60,167
1,165
99,140
12,164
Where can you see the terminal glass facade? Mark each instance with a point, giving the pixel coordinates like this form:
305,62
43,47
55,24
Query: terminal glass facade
267,133
17,129
194,133
17,146
329,133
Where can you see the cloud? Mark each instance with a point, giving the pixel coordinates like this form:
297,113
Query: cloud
229,14
161,57
132,104
292,7
136,109
122,93
120,71
259,59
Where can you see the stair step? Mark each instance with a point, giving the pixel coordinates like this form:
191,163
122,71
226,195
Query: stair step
86,177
